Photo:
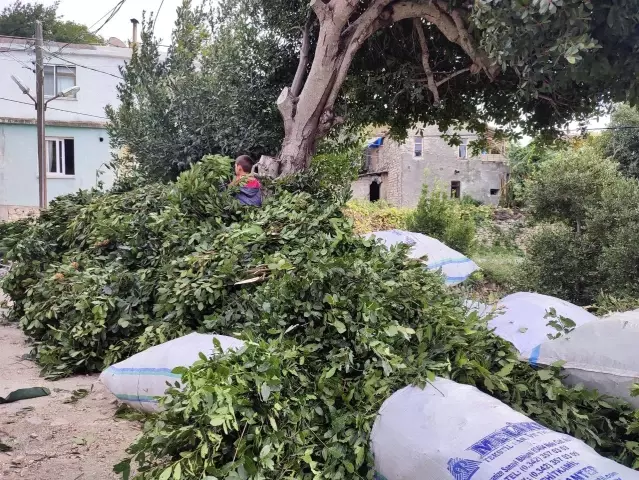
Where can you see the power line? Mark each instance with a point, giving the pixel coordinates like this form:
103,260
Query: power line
155,20
93,66
84,66
110,14
24,65
52,108
114,12
622,127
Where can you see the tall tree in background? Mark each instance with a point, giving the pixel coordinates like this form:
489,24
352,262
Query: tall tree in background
622,141
18,20
213,92
528,64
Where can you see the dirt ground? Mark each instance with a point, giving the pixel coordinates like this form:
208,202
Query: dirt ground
51,439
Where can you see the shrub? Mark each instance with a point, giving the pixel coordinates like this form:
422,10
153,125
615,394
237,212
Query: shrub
561,263
595,252
443,218
566,187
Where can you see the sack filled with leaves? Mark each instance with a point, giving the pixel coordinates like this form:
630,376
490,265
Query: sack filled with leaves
334,324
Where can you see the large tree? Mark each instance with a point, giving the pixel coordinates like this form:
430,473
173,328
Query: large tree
531,65
212,92
621,142
18,20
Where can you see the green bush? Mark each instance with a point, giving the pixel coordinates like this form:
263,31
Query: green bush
562,264
334,324
595,250
565,188
445,219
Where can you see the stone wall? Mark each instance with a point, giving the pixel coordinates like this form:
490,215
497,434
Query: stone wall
480,177
361,188
9,213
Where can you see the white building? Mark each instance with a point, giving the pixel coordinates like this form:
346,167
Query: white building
76,139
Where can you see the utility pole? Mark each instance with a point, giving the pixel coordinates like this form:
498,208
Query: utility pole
40,106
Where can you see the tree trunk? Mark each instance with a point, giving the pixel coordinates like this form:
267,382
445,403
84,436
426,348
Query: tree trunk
308,113
309,116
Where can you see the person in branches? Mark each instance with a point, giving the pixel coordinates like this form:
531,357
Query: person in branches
250,192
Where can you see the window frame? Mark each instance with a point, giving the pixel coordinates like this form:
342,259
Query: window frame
421,146
61,157
455,186
464,144
55,68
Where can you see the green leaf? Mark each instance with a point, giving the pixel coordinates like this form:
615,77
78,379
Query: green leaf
265,392
123,468
506,370
123,323
166,474
545,374
177,471
216,421
341,328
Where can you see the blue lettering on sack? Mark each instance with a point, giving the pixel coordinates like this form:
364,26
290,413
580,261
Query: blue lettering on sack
552,460
501,437
463,468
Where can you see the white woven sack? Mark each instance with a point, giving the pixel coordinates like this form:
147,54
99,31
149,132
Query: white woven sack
522,319
601,355
450,431
140,379
454,266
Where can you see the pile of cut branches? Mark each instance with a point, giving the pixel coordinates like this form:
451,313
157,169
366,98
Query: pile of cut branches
333,325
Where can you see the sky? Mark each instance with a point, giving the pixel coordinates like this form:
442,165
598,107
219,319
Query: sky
87,12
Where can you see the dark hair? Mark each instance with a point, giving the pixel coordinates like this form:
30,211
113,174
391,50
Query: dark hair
245,162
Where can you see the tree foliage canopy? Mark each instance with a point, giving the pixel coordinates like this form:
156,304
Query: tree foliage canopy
212,93
529,66
622,141
18,20
558,61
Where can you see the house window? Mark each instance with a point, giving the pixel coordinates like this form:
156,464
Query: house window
368,158
58,78
419,146
455,189
60,156
494,191
462,149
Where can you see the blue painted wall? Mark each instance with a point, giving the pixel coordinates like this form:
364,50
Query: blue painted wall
19,162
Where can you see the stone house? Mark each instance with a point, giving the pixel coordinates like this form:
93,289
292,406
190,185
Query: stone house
396,172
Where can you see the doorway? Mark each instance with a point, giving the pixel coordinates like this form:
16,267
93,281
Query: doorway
455,189
374,192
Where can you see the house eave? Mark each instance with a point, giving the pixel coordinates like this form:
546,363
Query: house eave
52,123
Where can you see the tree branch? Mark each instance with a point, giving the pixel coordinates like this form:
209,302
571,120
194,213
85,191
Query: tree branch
452,75
355,36
321,9
451,25
432,86
298,81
